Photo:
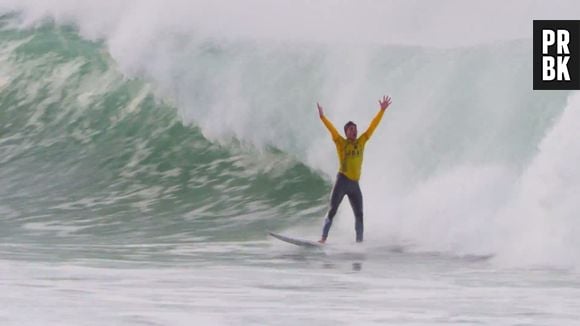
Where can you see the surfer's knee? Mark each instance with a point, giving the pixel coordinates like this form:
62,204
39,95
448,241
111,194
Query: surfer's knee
358,213
332,212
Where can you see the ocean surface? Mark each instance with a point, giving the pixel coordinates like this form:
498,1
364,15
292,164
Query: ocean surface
144,158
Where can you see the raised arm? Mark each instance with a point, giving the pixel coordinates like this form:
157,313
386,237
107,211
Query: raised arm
333,132
384,103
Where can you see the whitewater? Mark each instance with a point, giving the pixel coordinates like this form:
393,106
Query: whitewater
147,147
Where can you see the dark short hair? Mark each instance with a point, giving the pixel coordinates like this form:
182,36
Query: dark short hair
348,124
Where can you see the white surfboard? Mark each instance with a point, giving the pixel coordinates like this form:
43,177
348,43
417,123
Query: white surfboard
297,242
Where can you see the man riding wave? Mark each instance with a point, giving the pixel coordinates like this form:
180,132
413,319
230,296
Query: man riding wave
350,156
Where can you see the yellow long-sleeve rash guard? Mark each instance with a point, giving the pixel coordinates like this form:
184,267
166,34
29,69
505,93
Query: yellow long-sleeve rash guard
350,152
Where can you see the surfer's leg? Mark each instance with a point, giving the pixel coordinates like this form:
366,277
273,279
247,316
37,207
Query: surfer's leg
356,202
336,197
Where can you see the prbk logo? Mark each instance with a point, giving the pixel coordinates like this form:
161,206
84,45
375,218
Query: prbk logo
557,54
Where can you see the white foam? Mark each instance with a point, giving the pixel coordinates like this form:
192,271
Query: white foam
541,225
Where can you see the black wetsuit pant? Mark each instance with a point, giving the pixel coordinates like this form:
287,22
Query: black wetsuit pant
345,186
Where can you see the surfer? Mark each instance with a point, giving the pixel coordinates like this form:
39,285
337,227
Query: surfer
350,156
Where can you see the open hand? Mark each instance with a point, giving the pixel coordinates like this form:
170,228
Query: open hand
320,110
385,102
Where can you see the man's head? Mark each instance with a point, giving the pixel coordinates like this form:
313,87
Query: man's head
350,130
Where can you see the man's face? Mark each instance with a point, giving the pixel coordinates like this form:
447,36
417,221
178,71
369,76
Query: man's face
351,132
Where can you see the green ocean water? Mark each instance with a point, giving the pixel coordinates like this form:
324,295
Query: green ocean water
89,155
